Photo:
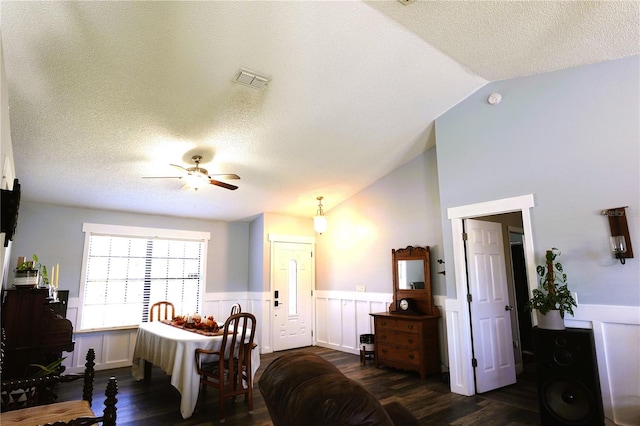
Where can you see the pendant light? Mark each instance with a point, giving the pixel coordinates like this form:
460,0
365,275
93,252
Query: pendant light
320,220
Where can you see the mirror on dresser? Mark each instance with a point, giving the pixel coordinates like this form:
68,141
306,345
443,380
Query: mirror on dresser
412,280
407,336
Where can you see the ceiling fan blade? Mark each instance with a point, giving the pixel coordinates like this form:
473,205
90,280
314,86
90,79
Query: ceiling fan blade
226,176
223,185
182,169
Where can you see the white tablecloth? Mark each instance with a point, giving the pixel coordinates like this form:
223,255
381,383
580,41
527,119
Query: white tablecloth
173,350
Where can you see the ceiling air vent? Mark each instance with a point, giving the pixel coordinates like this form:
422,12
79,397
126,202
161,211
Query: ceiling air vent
251,79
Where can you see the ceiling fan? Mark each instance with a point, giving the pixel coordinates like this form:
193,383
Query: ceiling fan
197,176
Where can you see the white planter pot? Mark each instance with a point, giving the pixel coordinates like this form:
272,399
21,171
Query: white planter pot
552,320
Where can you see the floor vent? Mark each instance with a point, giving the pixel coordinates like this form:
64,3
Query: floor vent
251,79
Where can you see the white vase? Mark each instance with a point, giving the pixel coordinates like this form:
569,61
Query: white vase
552,320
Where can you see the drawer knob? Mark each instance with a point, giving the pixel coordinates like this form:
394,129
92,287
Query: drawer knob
384,351
383,337
410,340
410,326
411,357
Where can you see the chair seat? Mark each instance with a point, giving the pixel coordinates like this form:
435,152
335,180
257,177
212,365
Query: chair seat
43,414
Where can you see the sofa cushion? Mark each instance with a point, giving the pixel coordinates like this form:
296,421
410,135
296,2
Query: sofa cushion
302,388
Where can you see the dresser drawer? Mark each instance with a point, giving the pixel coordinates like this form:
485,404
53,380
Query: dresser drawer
397,324
396,354
407,342
398,338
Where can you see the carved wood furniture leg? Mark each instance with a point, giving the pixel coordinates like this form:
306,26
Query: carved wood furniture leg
89,374
110,403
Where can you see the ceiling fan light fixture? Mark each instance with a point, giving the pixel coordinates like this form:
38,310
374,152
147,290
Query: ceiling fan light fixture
320,220
196,176
197,179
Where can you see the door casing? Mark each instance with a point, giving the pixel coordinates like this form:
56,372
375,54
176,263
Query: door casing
458,319
273,238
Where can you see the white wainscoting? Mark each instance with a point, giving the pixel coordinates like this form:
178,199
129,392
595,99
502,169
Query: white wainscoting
114,348
616,332
342,316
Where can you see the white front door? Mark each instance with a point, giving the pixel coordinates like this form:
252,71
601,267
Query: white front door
292,275
490,307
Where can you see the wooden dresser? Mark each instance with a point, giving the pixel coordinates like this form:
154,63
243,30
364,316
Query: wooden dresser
407,342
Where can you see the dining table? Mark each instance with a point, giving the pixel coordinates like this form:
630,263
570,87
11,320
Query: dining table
173,350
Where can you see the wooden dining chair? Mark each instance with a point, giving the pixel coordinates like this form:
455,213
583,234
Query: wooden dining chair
229,368
34,400
163,310
235,309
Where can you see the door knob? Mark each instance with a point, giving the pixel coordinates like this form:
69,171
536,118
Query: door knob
508,308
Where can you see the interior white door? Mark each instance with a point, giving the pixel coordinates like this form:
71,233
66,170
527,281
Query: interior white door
293,313
490,307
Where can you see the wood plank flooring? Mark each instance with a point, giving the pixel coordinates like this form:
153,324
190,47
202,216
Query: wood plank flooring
429,400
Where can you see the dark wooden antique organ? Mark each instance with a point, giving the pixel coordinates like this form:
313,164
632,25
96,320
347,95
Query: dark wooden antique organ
35,331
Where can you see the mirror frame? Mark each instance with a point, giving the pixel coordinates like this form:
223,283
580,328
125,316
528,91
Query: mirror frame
423,298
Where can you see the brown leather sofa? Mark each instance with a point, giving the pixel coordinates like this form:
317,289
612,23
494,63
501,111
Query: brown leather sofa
303,388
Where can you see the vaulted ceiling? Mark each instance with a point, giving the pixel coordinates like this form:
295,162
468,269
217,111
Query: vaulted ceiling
102,94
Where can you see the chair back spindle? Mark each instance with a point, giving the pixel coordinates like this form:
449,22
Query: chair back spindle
235,309
162,310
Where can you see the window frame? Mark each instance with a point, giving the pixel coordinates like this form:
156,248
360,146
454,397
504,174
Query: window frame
90,229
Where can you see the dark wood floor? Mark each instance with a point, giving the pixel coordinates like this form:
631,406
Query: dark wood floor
429,400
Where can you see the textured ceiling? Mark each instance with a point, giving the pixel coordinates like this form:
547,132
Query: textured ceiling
104,93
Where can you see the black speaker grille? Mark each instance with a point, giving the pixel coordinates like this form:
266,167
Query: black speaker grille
568,382
568,400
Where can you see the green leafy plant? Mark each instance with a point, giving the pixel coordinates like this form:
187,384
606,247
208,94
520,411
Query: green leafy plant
554,294
34,265
46,370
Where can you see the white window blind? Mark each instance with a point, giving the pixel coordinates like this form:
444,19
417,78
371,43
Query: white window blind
124,275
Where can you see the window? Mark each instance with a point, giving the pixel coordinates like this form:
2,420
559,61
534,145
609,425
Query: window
293,287
127,269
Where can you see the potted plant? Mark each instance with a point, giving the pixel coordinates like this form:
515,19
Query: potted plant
554,298
28,273
54,367
21,397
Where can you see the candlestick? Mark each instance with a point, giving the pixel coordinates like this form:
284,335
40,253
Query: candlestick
52,280
57,274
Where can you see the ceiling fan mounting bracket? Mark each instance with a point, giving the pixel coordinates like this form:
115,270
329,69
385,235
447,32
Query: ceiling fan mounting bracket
197,169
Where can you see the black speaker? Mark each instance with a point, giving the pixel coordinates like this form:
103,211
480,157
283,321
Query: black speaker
568,381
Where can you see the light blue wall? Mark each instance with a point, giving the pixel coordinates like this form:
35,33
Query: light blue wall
399,210
55,234
256,255
571,138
